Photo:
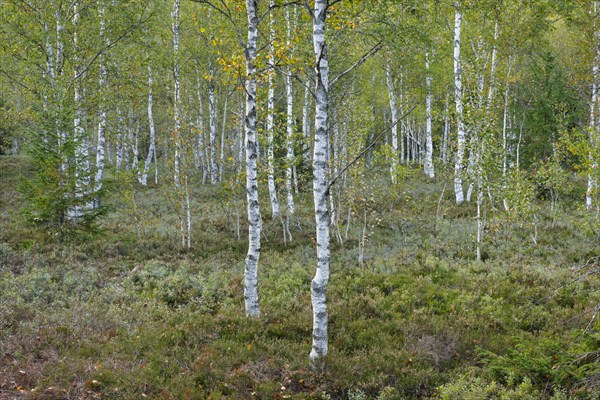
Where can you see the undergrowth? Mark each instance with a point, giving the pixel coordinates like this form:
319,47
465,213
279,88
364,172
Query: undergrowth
128,313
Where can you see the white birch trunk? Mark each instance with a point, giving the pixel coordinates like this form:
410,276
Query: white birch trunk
458,98
182,192
223,132
505,135
270,118
177,94
101,141
201,152
119,139
446,132
254,218
82,163
428,162
152,145
320,185
188,214
127,143
136,147
394,116
402,123
593,137
518,151
475,148
494,65
290,157
212,121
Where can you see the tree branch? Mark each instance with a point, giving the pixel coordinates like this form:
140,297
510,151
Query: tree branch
357,64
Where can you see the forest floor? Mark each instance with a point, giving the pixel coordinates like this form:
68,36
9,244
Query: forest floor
126,313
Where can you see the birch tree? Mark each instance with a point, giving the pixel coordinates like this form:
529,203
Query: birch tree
394,118
458,99
290,157
152,146
101,140
212,122
428,162
320,187
81,160
254,218
592,184
271,117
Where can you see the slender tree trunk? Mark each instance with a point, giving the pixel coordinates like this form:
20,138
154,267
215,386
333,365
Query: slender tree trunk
363,240
474,154
119,139
135,146
446,132
518,151
504,135
177,94
101,142
479,205
409,145
254,219
127,145
152,145
593,137
369,154
428,164
56,73
402,123
394,115
82,162
458,98
270,118
320,185
290,157
182,191
494,65
188,213
223,139
201,146
212,121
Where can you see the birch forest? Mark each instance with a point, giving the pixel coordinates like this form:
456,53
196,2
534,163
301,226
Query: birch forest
299,199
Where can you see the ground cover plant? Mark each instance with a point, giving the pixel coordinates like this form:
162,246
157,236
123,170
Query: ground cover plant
127,313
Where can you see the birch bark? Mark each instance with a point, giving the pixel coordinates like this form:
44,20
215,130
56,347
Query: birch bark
289,123
101,142
254,218
223,134
394,114
270,118
212,121
152,146
82,163
428,163
177,95
320,184
458,98
201,153
592,184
